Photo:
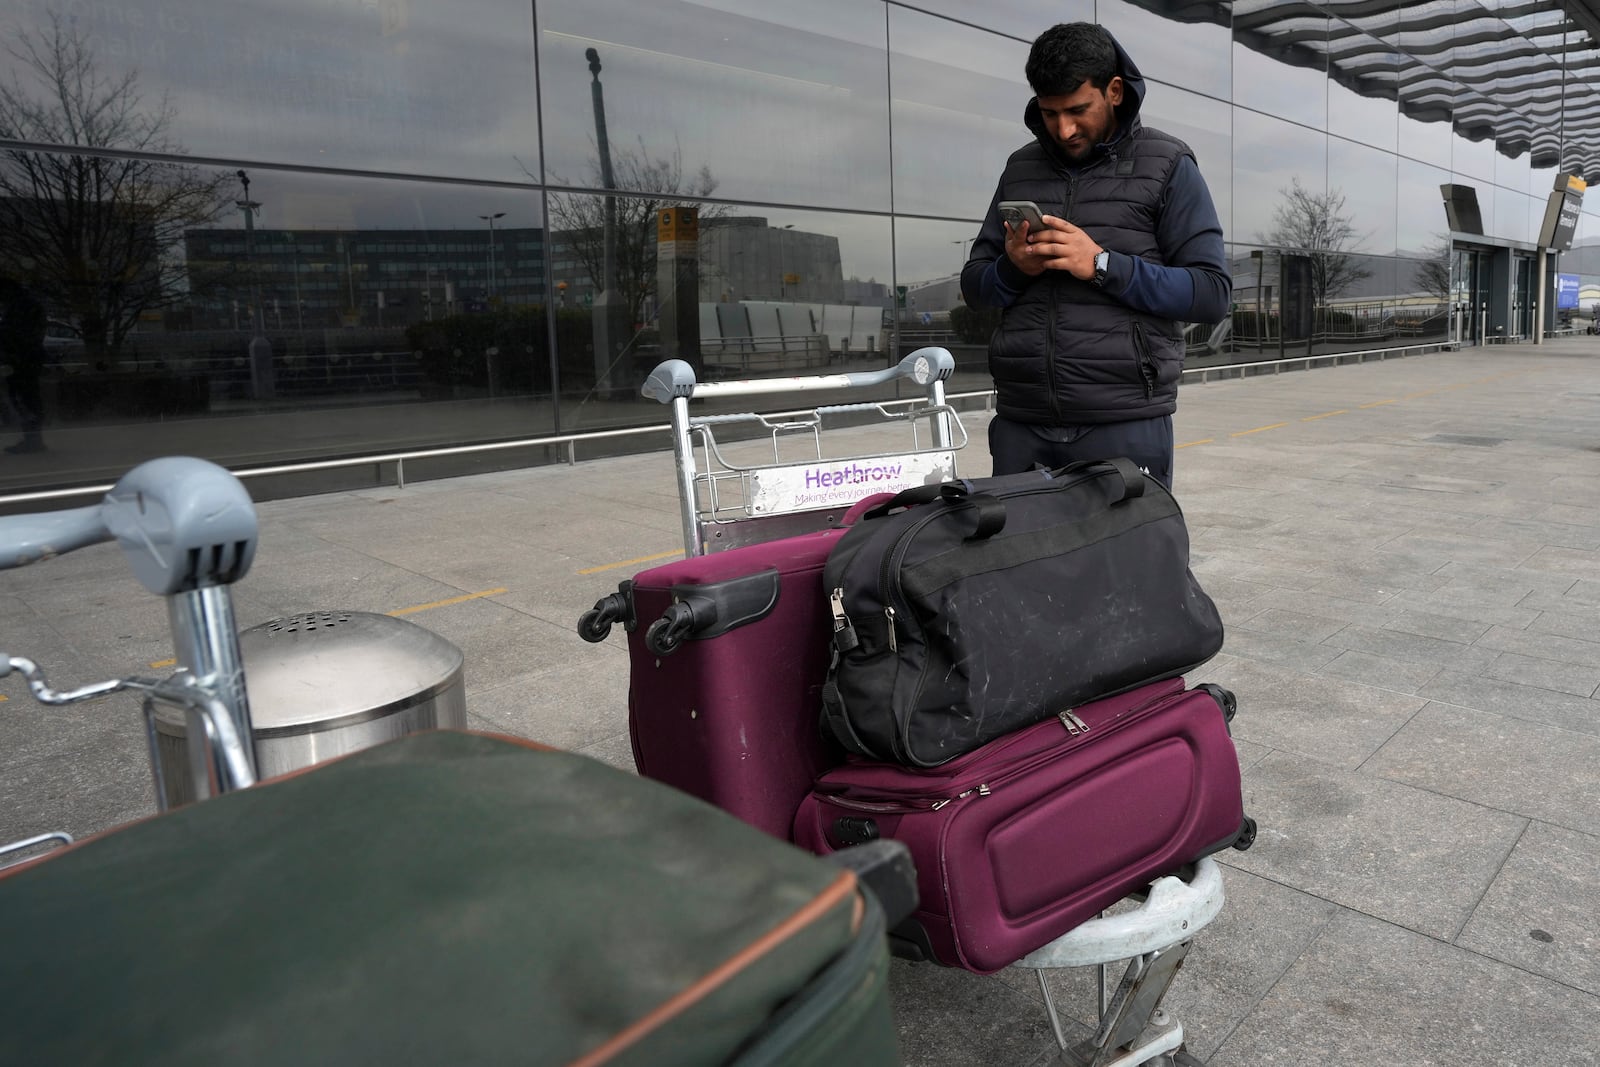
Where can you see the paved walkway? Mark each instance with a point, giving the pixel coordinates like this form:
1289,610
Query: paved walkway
1405,553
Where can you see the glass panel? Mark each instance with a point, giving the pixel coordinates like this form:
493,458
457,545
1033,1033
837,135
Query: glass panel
316,317
1207,126
1421,227
1426,100
1279,174
1165,39
958,98
1280,60
1472,147
1361,204
369,86
1357,303
1023,19
1363,92
752,99
928,260
1511,211
761,291
1511,155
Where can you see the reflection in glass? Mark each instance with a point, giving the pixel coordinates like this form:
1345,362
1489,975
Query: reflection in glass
211,293
929,256
744,292
361,85
1426,100
958,99
1280,61
1206,125
1271,158
1472,148
1164,39
763,100
1361,188
1421,225
1023,19
1512,211
1363,90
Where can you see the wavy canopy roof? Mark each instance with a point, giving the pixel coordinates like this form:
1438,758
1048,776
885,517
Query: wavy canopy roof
1525,73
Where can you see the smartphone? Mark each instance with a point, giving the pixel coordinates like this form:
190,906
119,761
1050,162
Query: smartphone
1017,212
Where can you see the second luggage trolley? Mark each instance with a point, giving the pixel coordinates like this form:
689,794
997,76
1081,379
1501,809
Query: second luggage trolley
730,502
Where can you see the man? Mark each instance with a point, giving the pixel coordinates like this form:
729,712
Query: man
1090,345
23,323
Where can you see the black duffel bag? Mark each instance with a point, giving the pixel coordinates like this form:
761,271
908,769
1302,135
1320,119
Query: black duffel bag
967,610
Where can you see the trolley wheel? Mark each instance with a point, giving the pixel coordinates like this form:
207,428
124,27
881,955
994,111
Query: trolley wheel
1247,836
594,626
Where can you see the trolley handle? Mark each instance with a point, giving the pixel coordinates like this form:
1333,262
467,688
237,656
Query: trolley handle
183,523
675,378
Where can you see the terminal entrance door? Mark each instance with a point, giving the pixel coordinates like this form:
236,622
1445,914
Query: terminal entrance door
1522,296
1469,292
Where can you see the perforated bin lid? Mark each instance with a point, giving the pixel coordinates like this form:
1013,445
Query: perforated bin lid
326,669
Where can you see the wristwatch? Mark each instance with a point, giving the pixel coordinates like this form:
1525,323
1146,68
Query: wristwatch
1102,261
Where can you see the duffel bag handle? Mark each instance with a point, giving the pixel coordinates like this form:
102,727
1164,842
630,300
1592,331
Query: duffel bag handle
991,510
1132,479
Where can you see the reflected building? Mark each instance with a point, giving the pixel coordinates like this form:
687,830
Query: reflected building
441,231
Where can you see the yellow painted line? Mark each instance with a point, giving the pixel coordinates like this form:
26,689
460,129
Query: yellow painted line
1203,441
1413,396
446,603
630,562
1259,429
1325,415
1377,404
160,663
3,698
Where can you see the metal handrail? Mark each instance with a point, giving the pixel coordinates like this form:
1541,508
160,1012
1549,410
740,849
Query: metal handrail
572,440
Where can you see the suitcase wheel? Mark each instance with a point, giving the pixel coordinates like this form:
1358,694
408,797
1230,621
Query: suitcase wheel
595,624
1247,835
668,632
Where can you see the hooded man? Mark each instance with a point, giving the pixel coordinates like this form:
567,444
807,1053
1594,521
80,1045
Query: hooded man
1090,345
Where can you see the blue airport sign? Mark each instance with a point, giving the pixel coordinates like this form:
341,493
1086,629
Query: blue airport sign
1566,290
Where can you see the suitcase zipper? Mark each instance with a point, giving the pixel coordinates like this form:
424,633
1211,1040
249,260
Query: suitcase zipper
893,806
1026,765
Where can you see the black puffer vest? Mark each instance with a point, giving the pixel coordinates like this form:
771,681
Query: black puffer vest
1066,353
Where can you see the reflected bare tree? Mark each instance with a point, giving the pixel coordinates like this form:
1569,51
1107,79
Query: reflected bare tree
652,183
1317,225
98,235
1432,275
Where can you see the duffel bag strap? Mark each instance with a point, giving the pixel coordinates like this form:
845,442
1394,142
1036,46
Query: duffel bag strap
991,510
835,720
1131,477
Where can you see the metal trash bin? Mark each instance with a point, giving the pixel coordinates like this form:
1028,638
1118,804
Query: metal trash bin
326,683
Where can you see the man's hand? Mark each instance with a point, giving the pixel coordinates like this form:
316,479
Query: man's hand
1059,246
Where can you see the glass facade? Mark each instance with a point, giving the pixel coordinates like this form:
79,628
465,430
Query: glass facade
275,231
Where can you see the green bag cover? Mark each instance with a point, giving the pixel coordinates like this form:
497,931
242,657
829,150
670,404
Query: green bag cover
447,898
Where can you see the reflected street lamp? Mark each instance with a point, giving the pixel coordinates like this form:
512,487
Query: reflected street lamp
489,289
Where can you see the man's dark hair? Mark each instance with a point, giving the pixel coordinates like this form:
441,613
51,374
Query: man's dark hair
1069,54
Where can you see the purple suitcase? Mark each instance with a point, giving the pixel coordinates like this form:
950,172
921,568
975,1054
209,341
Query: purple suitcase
727,656
1019,841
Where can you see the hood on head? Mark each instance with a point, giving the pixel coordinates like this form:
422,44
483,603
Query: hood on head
1127,111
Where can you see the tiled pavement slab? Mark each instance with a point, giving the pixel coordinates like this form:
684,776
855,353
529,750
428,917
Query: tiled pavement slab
1413,599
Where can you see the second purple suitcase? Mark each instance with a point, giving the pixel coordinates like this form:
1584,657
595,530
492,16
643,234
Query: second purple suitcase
1021,840
726,663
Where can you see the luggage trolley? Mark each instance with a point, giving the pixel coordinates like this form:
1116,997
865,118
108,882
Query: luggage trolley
728,503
